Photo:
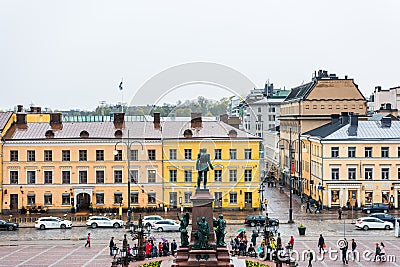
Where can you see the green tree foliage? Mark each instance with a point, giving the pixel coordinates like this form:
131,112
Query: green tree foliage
207,107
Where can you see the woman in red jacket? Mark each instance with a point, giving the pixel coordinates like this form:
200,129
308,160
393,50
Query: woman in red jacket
148,249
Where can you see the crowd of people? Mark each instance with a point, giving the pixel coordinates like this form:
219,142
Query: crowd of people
161,249
270,245
152,249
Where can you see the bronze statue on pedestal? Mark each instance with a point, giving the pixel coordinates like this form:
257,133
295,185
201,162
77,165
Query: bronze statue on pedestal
202,234
202,166
183,225
220,231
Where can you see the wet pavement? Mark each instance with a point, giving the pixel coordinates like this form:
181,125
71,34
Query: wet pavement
33,247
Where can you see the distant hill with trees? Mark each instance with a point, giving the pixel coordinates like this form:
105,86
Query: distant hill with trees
208,107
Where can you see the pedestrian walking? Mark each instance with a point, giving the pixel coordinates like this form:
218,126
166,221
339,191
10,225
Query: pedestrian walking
291,242
353,248
279,241
310,257
344,251
254,236
377,252
340,213
321,243
88,240
308,207
382,252
112,244
266,203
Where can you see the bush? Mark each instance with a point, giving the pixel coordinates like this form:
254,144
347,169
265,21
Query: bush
255,264
152,264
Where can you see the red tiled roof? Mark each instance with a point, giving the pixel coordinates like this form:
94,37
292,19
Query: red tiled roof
137,130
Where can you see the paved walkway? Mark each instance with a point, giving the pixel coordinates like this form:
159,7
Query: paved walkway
98,255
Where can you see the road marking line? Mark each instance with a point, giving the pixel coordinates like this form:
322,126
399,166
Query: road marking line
65,256
34,256
24,247
95,256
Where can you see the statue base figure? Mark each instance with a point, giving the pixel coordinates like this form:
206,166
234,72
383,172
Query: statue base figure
213,256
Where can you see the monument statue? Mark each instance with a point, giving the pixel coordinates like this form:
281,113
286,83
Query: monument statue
202,164
202,234
220,231
183,225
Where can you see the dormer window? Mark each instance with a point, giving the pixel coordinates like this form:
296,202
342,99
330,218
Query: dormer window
118,134
84,134
49,134
188,133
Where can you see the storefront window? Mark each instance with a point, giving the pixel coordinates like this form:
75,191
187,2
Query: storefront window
385,197
352,197
335,197
368,198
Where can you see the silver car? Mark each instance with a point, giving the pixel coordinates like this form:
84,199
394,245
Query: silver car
102,221
165,225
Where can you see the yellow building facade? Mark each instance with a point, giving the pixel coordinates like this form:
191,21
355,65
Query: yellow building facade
234,182
309,106
57,165
353,162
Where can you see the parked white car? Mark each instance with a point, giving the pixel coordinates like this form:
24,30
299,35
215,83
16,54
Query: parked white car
52,222
373,223
165,225
149,220
102,221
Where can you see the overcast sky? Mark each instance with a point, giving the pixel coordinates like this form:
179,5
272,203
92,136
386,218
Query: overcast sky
72,54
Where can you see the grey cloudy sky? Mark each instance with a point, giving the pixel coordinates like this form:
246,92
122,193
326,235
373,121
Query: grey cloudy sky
72,54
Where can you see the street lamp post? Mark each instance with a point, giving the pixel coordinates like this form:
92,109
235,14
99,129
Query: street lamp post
138,233
128,145
291,185
291,174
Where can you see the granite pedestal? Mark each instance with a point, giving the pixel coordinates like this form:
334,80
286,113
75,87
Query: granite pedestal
214,257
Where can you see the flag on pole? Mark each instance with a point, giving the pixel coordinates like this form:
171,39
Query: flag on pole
120,86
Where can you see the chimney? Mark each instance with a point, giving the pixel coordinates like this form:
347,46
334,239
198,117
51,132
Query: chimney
36,110
19,108
344,118
119,120
335,118
156,120
378,88
21,119
353,120
196,121
345,77
224,118
386,122
352,131
55,120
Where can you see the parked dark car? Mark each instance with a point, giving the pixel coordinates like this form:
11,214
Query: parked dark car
384,217
8,225
377,207
252,220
